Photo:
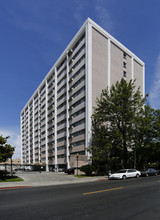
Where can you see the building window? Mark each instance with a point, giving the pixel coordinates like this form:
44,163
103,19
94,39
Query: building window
124,64
124,73
78,112
60,106
78,102
64,86
61,139
60,114
79,61
61,156
61,72
79,51
61,131
61,122
78,123
62,80
75,144
61,64
78,42
124,55
78,82
78,92
81,132
61,148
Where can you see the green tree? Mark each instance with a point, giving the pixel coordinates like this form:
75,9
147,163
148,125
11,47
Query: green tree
157,124
87,169
148,137
6,150
114,123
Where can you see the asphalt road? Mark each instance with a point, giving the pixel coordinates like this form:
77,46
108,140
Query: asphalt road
115,199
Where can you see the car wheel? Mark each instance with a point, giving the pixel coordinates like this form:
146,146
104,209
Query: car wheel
137,175
155,174
147,174
123,177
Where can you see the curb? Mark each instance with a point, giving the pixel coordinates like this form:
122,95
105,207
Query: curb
14,187
102,180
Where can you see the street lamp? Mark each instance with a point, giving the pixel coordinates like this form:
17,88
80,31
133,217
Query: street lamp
77,156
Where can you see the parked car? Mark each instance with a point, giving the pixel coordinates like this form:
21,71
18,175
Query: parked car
70,170
149,172
125,173
61,169
19,169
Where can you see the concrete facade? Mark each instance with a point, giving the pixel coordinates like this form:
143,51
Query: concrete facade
56,121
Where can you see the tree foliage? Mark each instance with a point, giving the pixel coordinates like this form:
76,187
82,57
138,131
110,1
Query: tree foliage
148,138
122,126
88,169
6,150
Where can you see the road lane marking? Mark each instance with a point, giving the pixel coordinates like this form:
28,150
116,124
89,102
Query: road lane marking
158,181
105,190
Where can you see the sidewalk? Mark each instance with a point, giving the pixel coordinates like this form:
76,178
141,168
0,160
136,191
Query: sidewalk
48,179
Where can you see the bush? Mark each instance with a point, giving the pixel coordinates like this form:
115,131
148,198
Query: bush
3,174
87,169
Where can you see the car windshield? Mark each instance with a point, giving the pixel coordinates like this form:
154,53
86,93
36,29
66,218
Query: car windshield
122,171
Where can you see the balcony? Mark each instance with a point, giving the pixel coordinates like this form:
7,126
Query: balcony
77,98
61,92
51,87
77,118
62,67
51,110
77,128
77,108
74,80
72,63
78,47
51,95
50,132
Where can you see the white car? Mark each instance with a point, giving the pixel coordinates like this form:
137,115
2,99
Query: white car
125,173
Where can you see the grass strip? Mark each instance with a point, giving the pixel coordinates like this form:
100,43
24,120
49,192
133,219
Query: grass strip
12,180
81,176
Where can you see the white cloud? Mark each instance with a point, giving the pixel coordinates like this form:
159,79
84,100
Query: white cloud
14,140
78,14
155,87
30,16
103,15
79,11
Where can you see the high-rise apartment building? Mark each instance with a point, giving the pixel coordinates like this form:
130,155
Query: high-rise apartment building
56,121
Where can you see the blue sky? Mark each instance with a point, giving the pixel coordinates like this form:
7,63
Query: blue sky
33,35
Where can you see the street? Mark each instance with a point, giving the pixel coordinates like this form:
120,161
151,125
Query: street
118,199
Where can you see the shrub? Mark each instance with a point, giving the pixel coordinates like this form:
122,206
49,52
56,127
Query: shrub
3,174
87,169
